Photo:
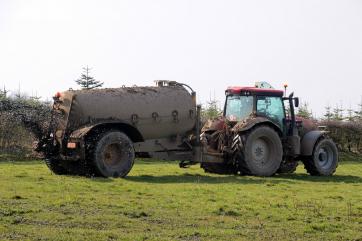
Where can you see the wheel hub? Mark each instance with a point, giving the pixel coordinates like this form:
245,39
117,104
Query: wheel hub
113,154
260,151
325,156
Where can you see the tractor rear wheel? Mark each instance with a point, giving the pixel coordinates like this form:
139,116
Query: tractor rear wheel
262,152
324,159
113,155
218,168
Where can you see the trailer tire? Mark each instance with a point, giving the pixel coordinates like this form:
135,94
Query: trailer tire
77,168
113,155
324,160
55,166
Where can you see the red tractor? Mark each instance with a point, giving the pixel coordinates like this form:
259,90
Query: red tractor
260,135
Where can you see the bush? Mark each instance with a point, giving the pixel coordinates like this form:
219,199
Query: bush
23,121
347,134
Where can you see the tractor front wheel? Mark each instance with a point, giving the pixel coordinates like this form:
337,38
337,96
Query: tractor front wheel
324,159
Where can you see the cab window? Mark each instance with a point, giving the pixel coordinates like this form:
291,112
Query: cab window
271,107
238,107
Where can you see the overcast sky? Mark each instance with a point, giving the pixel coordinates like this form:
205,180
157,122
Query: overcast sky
315,46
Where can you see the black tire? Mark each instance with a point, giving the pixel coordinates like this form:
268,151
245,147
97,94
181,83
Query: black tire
288,167
113,155
324,160
55,166
262,152
75,168
218,168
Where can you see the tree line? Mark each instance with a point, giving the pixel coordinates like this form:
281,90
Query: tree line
25,118
343,125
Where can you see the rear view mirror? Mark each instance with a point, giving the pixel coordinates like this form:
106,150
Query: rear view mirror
296,102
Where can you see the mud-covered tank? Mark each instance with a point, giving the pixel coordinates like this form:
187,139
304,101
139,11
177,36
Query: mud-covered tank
156,112
100,131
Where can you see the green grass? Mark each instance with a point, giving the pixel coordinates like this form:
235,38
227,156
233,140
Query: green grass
160,201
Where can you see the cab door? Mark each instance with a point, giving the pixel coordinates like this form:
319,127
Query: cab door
272,108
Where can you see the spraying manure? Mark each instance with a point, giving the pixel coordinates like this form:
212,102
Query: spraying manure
22,121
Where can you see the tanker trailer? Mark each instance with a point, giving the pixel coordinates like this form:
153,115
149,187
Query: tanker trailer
101,131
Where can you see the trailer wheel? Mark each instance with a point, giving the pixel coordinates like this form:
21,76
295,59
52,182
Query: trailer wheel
324,159
55,166
113,155
75,168
262,153
288,167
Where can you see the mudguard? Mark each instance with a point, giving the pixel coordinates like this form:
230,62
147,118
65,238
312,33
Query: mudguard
309,140
129,130
250,122
80,133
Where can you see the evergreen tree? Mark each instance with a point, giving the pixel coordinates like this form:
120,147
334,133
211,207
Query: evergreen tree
358,113
338,113
211,110
3,93
350,116
88,82
303,111
328,115
18,95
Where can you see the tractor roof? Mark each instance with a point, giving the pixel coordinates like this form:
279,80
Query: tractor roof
236,90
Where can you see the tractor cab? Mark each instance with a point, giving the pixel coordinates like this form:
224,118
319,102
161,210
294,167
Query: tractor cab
260,101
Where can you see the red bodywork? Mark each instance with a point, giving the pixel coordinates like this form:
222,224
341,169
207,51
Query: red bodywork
306,125
254,90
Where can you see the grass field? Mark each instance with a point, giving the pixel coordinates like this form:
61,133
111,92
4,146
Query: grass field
160,201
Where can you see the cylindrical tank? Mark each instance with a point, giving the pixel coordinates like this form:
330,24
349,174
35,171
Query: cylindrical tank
157,112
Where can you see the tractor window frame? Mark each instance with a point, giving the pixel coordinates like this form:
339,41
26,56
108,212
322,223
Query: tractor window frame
280,121
253,108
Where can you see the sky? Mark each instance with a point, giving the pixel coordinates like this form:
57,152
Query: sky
313,45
